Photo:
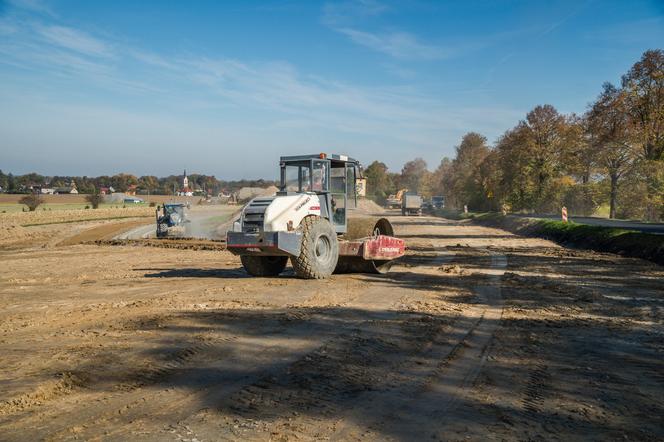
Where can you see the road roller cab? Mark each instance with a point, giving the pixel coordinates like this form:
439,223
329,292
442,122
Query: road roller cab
310,221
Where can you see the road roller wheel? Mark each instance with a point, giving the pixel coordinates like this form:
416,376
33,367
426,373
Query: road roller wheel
264,265
364,227
319,250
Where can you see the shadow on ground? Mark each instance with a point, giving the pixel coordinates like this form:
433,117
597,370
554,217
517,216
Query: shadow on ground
566,362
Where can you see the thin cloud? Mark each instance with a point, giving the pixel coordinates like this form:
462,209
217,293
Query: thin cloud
37,6
75,40
276,93
401,45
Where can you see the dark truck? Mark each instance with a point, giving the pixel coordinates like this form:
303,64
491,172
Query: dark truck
438,202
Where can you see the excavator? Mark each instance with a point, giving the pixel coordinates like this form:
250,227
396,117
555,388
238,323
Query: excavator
394,201
311,221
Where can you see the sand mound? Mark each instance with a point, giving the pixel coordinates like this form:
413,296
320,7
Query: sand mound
12,233
247,193
369,206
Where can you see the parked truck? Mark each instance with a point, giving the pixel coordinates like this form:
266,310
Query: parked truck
438,202
411,204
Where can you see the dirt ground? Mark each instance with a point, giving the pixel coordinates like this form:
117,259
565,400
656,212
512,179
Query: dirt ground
476,334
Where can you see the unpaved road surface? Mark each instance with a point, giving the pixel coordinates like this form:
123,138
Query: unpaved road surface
477,334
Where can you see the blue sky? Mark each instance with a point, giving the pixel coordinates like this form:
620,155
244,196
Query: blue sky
224,88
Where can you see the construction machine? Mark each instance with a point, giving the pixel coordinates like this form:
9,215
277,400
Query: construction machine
171,221
394,201
310,220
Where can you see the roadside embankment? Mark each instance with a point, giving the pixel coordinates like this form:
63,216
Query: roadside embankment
598,238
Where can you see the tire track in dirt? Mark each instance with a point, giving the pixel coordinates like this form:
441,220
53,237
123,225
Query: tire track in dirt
342,372
85,381
135,403
454,363
370,336
317,383
535,389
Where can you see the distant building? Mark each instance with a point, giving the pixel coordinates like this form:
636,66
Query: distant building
67,189
185,190
106,190
63,190
47,191
131,190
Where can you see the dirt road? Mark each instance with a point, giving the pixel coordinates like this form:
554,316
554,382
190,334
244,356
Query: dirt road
210,222
477,334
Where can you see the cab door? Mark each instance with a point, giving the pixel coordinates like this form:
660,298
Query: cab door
351,186
338,199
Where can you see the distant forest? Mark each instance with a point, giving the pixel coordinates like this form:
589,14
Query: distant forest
122,182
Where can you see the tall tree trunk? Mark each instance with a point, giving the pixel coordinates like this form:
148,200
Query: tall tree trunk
614,195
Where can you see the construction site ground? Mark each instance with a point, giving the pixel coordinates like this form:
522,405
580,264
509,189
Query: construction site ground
476,334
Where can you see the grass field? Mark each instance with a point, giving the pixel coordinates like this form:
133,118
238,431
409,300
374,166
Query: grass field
15,207
9,203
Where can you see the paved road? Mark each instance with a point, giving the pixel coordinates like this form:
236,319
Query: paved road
630,225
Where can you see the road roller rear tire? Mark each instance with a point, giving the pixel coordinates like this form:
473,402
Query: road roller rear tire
264,265
319,250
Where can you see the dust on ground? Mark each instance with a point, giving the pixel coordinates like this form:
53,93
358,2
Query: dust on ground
477,334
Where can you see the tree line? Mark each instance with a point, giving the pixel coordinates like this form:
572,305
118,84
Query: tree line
611,156
122,182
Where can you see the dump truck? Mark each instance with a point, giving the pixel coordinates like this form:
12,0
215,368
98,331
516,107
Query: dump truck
311,221
171,221
411,204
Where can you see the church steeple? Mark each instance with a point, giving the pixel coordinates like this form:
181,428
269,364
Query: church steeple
185,181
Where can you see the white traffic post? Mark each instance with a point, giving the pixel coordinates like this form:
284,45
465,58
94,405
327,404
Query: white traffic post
564,213
465,208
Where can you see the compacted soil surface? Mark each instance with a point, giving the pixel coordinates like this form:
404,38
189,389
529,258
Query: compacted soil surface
476,334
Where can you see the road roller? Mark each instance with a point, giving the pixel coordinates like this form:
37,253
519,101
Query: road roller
311,221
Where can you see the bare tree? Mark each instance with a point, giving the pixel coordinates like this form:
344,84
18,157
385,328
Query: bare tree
94,199
32,201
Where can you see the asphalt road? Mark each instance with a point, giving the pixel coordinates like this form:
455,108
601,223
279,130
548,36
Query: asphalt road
621,224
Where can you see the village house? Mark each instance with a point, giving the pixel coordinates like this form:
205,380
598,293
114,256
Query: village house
131,190
71,188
